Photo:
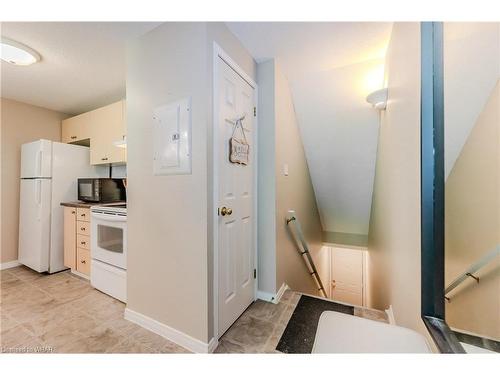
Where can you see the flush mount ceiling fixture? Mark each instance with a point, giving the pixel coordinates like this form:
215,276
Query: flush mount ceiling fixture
17,54
378,99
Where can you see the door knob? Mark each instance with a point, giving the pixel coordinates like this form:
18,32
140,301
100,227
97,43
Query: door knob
225,211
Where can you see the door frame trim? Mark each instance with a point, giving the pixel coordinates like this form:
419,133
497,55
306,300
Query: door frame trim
219,53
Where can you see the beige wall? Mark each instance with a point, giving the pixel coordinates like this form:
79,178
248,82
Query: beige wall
473,225
295,192
394,238
21,123
267,179
169,231
280,143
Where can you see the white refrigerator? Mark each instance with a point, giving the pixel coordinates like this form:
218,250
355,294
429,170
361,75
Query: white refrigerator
49,173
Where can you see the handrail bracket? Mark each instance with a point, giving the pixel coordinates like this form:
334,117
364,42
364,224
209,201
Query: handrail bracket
474,277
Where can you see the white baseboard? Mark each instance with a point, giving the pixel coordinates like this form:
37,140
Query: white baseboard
390,315
265,296
79,274
270,297
7,265
170,333
212,345
281,290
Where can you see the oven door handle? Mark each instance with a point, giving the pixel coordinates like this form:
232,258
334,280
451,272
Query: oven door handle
108,217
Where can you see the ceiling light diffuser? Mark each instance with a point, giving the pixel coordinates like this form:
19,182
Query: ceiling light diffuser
17,54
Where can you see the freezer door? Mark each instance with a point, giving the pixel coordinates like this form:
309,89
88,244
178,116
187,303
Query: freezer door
34,224
36,159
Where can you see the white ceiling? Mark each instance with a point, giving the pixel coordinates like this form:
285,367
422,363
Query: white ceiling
339,131
83,64
331,67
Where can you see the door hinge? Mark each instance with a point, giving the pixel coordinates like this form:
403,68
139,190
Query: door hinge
254,273
254,111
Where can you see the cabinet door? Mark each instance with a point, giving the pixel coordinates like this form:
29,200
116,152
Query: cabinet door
108,126
70,237
76,128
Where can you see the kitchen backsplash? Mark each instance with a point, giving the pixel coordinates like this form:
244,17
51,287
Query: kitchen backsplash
118,171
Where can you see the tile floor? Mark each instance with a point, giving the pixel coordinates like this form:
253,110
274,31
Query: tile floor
62,313
260,327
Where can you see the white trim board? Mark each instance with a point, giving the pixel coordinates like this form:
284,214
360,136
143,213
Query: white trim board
270,297
11,264
390,315
178,337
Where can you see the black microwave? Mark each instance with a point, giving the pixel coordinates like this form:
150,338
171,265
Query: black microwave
101,190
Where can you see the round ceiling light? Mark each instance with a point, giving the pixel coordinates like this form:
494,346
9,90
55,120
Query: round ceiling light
17,54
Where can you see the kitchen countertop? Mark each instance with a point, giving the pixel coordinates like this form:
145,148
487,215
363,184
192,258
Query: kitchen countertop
80,204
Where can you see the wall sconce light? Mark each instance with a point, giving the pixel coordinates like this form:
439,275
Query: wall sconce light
378,99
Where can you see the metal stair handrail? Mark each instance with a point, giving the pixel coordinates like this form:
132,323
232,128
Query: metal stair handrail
469,272
304,251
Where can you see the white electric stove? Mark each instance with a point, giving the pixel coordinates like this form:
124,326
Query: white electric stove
108,250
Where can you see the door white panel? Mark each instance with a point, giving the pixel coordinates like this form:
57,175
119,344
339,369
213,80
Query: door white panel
36,159
235,98
347,276
228,241
34,223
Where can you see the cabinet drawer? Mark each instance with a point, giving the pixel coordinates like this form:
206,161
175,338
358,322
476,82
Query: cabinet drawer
83,241
83,261
83,214
83,227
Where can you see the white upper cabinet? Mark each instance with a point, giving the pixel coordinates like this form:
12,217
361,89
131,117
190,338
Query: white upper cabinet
76,129
108,126
103,127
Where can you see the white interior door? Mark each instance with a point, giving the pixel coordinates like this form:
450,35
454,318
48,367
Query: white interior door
347,276
235,98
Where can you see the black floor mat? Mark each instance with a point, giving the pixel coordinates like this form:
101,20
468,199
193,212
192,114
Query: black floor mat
301,328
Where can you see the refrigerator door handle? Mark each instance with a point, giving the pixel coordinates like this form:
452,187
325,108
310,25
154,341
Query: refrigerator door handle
40,160
38,198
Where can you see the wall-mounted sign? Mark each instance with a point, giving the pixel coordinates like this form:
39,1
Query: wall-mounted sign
239,149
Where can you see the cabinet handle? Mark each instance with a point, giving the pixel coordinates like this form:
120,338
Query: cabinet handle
82,228
82,215
82,242
83,262
73,137
103,159
73,212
